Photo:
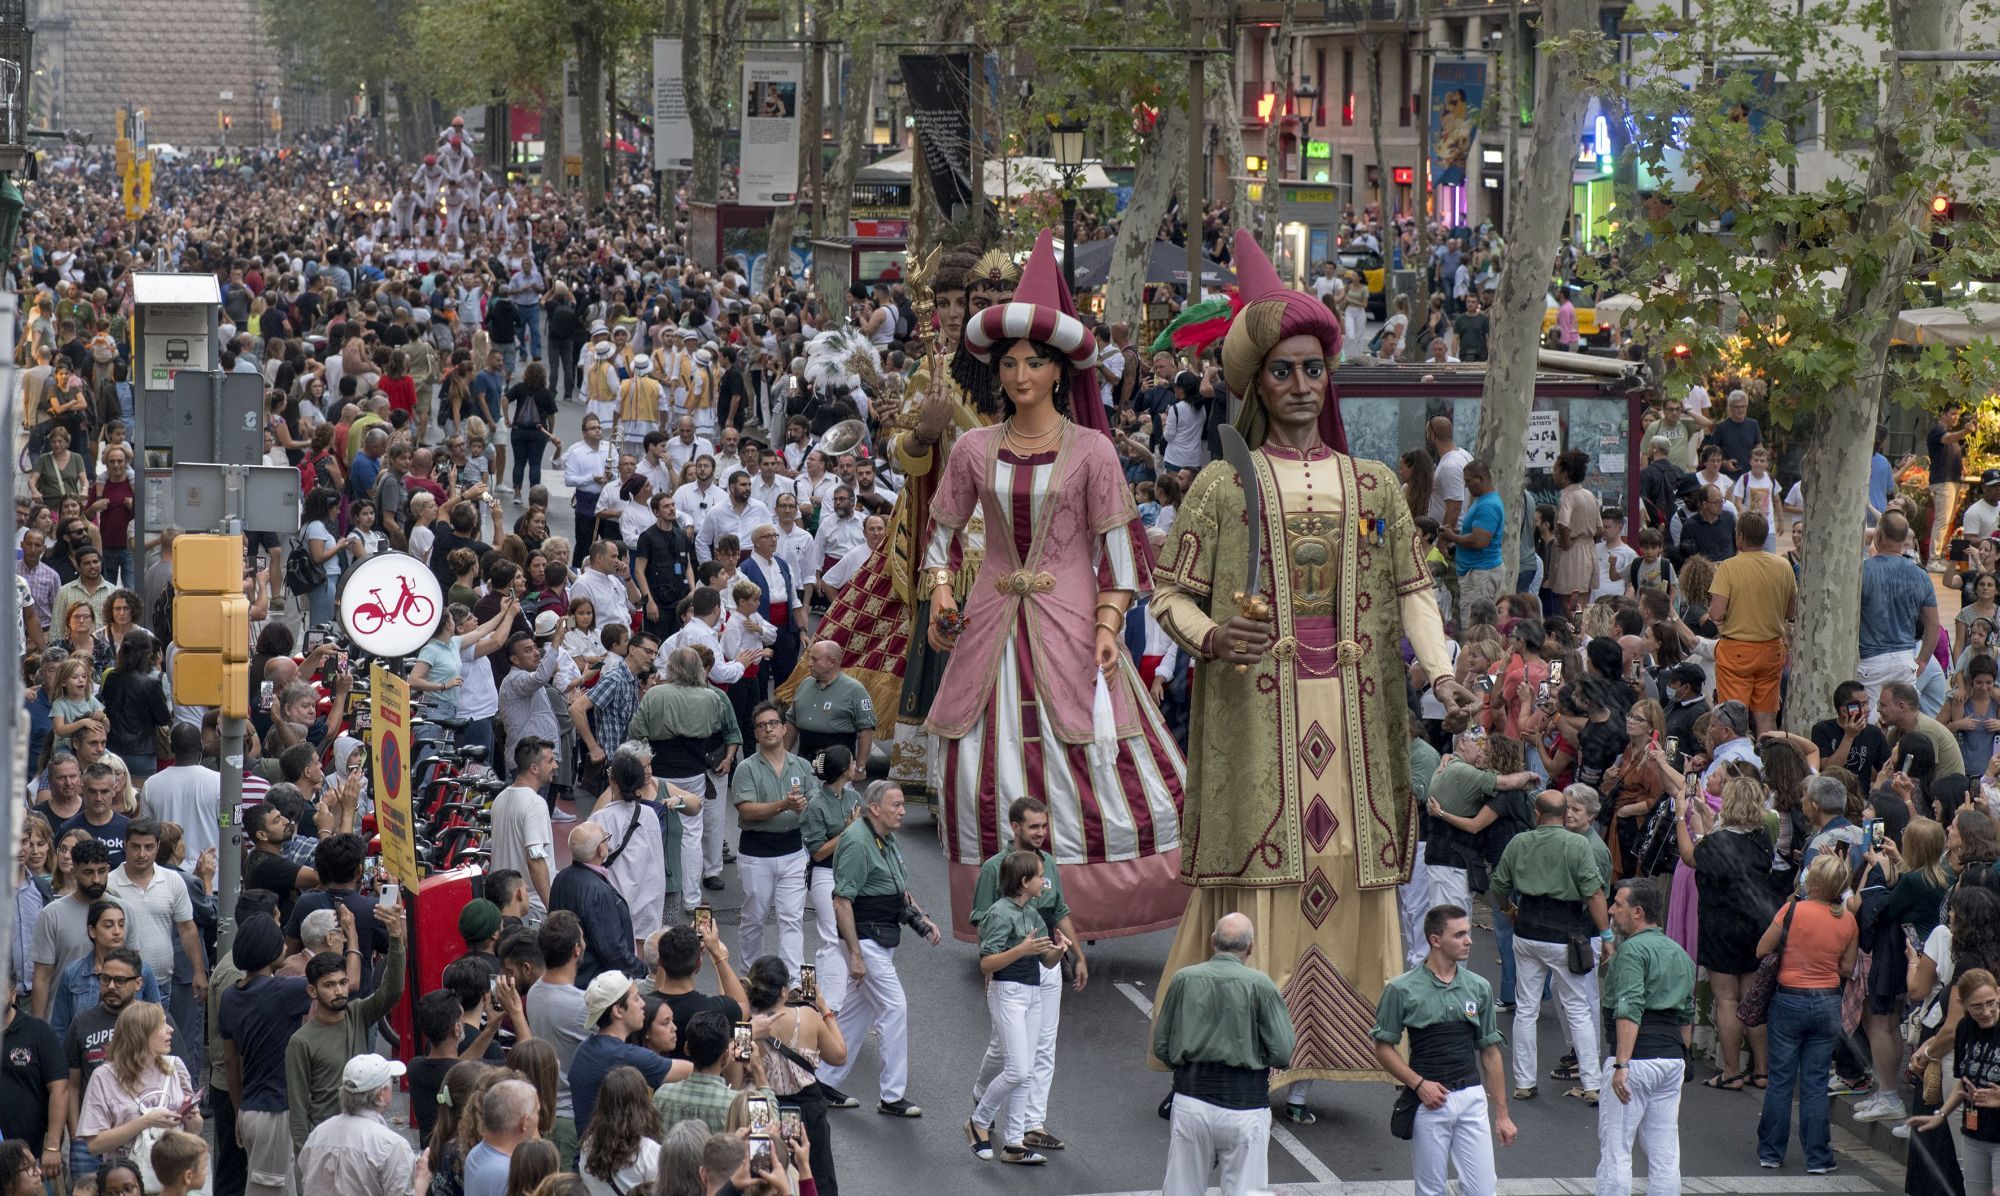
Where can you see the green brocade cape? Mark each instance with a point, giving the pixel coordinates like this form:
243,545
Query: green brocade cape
1251,732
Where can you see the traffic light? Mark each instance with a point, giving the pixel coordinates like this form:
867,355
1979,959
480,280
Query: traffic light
211,625
1941,207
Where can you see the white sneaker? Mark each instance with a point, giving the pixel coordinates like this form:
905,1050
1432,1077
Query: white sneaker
1884,1106
1901,1129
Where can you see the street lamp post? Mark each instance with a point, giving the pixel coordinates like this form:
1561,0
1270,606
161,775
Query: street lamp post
1066,147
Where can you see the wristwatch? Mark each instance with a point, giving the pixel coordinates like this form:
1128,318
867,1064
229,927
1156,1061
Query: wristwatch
939,577
1619,1066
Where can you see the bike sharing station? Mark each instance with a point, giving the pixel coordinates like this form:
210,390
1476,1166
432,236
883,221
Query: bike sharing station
389,606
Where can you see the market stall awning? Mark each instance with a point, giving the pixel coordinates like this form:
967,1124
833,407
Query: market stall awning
1166,262
1953,326
1009,177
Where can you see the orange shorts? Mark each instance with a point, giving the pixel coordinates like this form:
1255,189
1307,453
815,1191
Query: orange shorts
1748,671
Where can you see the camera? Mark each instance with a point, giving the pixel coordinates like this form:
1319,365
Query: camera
914,918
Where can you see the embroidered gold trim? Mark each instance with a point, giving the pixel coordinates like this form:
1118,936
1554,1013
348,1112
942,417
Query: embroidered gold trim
1023,582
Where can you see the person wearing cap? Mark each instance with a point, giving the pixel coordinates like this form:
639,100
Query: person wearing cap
705,386
480,923
1982,518
258,1016
1754,600
642,403
356,1153
612,1011
340,1025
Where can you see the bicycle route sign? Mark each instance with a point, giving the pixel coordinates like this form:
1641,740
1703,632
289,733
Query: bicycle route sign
389,604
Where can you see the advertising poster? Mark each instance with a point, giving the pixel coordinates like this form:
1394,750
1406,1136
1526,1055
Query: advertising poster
1458,91
673,136
771,86
389,747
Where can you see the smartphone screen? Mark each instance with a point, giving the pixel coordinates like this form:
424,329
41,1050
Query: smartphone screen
761,1155
1673,745
1555,672
704,919
743,1040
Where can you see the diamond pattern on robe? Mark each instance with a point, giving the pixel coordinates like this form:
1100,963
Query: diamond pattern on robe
1316,749
1317,897
1320,824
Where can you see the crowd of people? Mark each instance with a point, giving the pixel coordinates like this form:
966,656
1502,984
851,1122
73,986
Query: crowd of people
666,644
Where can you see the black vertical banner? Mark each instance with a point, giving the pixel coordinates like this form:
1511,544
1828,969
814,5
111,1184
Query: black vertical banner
941,104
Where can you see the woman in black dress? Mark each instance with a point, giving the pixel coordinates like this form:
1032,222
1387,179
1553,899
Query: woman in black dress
1731,858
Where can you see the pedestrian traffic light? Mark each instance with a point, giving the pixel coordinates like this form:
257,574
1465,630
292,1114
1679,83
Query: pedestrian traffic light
211,625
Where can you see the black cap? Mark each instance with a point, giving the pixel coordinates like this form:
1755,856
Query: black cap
1989,477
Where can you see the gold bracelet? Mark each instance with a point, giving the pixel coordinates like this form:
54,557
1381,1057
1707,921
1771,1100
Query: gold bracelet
940,577
1113,607
1115,630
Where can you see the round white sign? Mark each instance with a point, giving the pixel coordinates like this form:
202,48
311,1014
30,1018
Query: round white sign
390,605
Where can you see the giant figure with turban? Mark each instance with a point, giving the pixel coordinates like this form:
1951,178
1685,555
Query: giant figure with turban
1299,810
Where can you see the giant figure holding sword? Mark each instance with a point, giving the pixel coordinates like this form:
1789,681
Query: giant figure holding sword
1295,574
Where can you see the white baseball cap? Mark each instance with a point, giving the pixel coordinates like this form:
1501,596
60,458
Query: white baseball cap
606,990
366,1073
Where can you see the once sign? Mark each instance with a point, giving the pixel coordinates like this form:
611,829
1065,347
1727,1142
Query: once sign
390,605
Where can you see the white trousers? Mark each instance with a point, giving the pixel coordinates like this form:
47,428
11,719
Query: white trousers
1414,900
1576,995
1205,1137
877,1004
1015,1011
1448,886
773,883
1456,1134
1653,1117
1874,672
691,827
1050,994
831,959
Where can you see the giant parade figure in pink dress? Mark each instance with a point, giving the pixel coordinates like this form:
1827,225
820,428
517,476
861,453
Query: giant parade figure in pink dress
1016,713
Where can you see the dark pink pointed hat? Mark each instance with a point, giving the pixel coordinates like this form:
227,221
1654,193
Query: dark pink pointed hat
1273,312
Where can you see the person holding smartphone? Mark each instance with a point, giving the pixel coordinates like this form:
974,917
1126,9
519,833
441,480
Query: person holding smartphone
1014,947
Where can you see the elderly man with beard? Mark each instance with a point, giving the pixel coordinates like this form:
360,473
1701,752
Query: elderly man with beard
338,1028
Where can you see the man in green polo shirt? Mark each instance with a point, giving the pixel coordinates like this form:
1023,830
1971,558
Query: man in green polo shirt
831,707
870,900
1222,1026
769,792
1028,818
1648,1020
1549,882
1447,1010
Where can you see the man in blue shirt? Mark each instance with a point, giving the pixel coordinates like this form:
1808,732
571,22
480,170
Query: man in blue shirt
489,387
612,1012
1881,479
1899,614
1478,538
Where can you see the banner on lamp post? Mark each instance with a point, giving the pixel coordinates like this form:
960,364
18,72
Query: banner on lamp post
1458,92
572,109
673,135
770,169
940,99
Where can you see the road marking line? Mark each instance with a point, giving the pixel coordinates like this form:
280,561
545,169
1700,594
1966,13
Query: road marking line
1285,1139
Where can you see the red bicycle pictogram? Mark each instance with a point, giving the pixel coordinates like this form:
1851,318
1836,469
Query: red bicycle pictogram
410,608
